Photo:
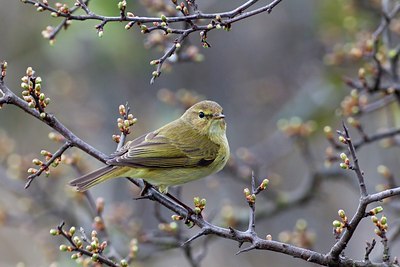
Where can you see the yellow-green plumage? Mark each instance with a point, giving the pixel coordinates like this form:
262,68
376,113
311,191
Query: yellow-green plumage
189,148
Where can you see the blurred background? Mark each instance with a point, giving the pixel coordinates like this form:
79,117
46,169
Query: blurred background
270,72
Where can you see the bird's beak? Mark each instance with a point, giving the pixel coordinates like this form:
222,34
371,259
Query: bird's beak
218,116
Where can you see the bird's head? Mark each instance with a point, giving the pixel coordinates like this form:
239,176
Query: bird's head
207,117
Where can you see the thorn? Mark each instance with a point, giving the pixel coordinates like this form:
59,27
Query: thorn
246,249
203,232
142,197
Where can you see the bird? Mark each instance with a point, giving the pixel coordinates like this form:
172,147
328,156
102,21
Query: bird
189,148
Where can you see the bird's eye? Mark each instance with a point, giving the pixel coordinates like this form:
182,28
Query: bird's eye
201,114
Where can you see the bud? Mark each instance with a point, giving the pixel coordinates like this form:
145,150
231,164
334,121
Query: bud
177,45
376,210
144,28
72,230
37,162
246,192
54,14
264,184
341,214
374,219
29,71
378,232
383,220
122,110
38,80
123,263
53,231
95,257
24,85
344,166
337,224
63,248
163,18
197,210
176,217
196,201
342,139
130,14
32,171
155,73
74,256
343,156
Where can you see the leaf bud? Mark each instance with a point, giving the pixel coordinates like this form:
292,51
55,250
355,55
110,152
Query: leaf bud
95,257
72,230
246,192
342,214
344,166
29,71
54,232
336,224
377,210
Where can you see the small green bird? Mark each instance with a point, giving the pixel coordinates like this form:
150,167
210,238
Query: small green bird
187,149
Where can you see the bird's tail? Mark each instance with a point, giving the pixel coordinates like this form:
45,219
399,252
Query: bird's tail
86,181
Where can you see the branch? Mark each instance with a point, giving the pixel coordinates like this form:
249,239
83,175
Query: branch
163,23
45,166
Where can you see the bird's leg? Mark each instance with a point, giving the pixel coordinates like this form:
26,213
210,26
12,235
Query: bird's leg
143,193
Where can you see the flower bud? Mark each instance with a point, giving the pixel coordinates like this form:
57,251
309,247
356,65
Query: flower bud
63,248
341,214
343,156
374,219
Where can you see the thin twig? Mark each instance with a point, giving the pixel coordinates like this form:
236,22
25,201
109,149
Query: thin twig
45,166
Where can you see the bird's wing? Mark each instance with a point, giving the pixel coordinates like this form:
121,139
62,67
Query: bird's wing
155,150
